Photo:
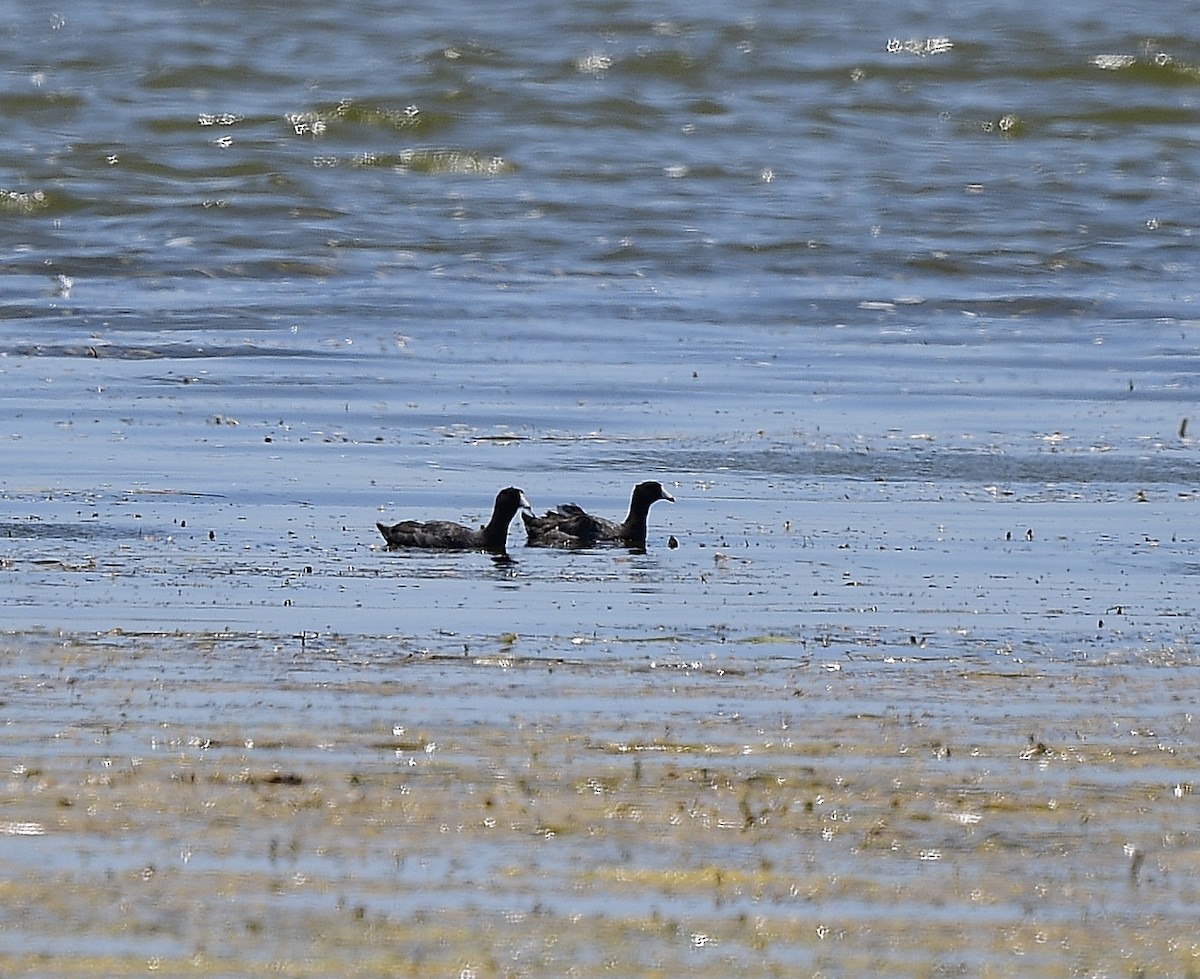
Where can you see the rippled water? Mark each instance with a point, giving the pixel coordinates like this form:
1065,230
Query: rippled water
899,302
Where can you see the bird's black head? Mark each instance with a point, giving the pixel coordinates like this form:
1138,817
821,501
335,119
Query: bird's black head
511,500
651,491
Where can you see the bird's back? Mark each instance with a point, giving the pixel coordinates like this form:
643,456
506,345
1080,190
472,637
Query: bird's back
442,534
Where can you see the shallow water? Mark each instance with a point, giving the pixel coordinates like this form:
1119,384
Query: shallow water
901,307
243,804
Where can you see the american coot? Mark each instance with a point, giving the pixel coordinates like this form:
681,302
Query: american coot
449,536
572,526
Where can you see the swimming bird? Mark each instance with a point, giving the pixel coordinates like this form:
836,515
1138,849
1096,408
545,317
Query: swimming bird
449,536
572,526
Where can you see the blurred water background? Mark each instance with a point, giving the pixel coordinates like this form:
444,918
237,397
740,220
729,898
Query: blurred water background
295,270
898,300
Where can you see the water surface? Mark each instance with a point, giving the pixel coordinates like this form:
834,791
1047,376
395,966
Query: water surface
899,304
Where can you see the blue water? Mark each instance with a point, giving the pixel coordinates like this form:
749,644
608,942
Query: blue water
899,301
826,273
834,275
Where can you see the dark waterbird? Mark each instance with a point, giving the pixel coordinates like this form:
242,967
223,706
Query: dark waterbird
572,526
449,536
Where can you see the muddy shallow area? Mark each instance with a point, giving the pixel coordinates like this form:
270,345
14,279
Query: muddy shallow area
910,728
906,698
231,803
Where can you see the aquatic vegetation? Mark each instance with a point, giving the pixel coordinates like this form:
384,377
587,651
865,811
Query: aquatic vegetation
435,811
